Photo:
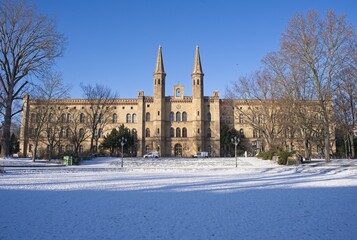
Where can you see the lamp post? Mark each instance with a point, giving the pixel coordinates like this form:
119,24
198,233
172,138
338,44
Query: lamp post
122,142
235,141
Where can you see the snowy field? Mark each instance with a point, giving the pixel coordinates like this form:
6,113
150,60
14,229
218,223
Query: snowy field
178,199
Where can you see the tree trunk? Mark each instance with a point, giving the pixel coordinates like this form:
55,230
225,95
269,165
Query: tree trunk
353,154
6,144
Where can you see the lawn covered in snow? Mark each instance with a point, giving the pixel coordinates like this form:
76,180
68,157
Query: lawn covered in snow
178,199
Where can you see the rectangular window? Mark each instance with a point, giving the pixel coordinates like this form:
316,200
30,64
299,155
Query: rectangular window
158,113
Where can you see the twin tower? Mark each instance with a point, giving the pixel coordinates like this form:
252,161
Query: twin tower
184,125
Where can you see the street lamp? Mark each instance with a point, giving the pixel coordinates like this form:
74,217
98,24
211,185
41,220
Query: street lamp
122,142
235,141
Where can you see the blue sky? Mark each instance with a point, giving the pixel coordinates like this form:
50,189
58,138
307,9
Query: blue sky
115,42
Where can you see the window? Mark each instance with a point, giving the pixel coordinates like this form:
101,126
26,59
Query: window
147,148
172,132
50,118
158,113
100,132
178,132
147,132
147,117
68,133
209,132
241,132
69,117
184,132
178,92
115,118
134,118
82,118
198,130
63,132
171,116
198,82
128,118
241,118
63,118
158,131
209,117
178,117
184,117
255,133
81,148
260,118
81,133
101,118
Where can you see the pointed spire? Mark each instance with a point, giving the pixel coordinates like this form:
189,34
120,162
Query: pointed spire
197,68
159,62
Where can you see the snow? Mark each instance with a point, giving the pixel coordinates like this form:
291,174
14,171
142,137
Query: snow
174,198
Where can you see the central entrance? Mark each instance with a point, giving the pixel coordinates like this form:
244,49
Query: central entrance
178,150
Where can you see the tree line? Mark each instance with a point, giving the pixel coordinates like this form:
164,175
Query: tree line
306,88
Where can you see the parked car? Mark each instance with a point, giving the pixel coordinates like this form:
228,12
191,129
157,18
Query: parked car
201,155
152,155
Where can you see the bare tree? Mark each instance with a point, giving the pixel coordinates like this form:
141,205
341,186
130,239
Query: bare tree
101,104
261,94
323,48
345,103
29,43
80,130
50,88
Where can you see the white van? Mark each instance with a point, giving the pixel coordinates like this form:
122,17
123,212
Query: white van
152,155
201,155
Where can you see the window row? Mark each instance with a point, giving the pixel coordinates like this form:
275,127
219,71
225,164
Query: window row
177,132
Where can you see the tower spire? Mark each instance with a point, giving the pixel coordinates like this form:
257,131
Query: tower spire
197,68
159,62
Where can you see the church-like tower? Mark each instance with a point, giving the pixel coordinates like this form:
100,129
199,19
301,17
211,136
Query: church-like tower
197,102
159,104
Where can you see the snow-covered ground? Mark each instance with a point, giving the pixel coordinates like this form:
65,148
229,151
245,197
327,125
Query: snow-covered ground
178,199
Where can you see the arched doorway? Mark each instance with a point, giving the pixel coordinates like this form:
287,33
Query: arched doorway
178,150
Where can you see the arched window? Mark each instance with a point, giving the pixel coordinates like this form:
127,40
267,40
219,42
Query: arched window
241,118
69,117
184,117
128,118
115,118
33,117
178,132
178,117
198,82
178,92
260,118
171,116
147,117
209,117
81,133
255,133
50,117
82,118
63,118
101,118
172,132
100,132
241,132
209,134
147,132
184,132
134,118
68,133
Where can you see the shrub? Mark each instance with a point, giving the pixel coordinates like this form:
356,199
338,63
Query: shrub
283,157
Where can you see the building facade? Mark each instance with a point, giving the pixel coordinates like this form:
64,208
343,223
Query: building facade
176,125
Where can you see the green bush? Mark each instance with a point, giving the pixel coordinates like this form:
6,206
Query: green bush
283,157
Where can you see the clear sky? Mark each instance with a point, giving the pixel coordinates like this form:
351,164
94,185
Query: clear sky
115,42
